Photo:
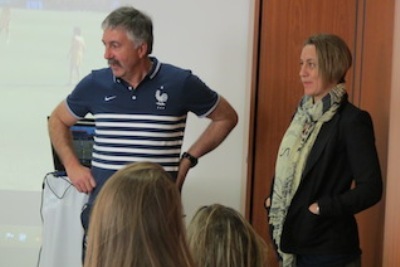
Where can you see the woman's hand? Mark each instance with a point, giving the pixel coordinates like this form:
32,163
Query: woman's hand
314,208
267,203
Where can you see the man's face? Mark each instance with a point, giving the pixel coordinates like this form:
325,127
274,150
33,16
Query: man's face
122,54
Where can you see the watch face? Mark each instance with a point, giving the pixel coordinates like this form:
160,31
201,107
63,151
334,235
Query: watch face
193,160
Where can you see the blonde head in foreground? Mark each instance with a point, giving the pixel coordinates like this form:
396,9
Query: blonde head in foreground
137,221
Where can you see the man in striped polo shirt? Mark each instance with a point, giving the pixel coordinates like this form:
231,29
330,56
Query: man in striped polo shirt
140,106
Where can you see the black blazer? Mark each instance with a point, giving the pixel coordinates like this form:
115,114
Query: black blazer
343,175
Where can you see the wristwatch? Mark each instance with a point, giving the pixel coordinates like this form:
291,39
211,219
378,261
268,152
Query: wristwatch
193,160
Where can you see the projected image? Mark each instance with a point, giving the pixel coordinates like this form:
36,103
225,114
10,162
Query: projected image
60,38
48,53
87,5
45,49
5,19
76,54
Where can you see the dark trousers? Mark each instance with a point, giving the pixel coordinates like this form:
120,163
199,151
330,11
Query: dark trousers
85,214
355,262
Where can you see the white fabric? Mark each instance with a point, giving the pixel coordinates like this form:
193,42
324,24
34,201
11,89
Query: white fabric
62,231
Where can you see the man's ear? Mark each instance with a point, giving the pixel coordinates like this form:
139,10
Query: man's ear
142,50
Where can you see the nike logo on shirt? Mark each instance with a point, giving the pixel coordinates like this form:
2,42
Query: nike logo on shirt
108,98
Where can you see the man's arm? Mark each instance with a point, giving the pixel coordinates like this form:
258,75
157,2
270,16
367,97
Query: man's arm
59,123
223,119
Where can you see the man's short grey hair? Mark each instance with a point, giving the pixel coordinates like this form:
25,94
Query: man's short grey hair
138,25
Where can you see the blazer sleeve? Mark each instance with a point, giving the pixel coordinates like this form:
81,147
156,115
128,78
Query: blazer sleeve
364,163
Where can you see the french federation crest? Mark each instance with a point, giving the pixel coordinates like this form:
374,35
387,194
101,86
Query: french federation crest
161,99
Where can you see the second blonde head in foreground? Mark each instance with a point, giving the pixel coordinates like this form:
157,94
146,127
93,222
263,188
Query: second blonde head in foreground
221,236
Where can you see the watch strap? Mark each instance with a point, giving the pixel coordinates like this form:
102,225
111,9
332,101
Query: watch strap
193,160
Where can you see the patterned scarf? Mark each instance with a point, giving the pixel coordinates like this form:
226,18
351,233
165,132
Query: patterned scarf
292,157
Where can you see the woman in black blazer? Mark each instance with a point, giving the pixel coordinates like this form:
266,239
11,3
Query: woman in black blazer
328,147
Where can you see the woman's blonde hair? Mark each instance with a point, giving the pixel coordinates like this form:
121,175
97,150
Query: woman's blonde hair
334,56
137,221
221,236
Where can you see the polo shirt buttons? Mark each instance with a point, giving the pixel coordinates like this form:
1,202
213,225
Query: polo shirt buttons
133,97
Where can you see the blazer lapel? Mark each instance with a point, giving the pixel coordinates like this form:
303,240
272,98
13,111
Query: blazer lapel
325,134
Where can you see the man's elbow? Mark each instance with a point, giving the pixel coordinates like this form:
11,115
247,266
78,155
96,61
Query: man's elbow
233,119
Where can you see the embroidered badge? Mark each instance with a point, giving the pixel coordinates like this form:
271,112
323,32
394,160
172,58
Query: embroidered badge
161,98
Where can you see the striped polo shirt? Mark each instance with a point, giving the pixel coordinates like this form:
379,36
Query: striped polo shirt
146,123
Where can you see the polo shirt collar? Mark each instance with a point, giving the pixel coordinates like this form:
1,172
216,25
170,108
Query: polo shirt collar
153,72
155,68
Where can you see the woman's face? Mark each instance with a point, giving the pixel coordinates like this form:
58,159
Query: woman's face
309,74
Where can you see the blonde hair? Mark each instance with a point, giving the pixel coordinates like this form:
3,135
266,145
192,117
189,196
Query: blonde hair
137,221
334,56
221,236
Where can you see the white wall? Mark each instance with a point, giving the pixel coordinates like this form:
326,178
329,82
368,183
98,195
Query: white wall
213,38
